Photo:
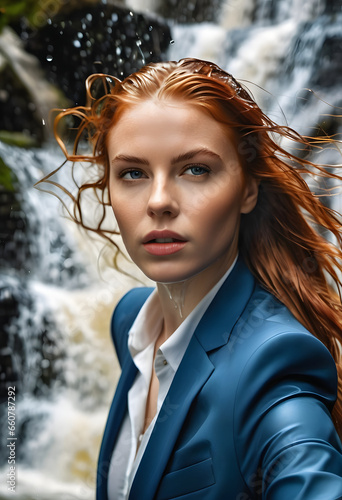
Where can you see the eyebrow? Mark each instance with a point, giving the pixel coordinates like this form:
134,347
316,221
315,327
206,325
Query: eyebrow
130,159
189,155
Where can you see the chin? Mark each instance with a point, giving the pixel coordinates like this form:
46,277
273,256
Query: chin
167,279
168,276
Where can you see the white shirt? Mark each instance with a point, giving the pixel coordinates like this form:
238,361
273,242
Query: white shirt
141,340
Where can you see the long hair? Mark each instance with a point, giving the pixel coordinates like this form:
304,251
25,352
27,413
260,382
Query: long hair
284,239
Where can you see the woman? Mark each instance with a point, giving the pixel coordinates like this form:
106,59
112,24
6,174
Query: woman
227,383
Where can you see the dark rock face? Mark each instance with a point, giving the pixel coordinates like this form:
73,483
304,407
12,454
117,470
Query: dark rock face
329,61
74,44
8,311
95,39
16,106
28,345
195,11
14,252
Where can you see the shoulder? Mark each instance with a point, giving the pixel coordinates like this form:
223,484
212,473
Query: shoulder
265,319
273,343
124,315
286,387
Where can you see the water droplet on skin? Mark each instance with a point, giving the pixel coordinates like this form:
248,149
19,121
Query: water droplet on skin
176,293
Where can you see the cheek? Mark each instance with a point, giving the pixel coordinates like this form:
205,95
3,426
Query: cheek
222,219
122,214
218,202
125,220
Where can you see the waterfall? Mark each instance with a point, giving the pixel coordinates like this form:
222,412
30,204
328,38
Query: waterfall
62,360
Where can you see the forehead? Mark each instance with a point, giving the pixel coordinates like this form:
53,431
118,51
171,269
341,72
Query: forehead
160,122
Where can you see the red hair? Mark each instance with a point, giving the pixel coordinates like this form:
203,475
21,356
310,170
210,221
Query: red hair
283,239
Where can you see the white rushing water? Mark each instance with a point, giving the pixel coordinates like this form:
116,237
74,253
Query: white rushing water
59,427
61,423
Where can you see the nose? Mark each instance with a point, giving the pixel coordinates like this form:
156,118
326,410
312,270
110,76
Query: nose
163,198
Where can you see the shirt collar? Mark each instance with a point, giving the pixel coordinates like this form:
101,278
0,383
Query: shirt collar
147,325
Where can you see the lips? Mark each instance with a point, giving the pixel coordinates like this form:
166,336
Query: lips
163,242
164,236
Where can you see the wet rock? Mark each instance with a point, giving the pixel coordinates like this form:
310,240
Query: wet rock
8,373
329,61
14,251
195,11
26,98
20,139
98,38
332,6
30,348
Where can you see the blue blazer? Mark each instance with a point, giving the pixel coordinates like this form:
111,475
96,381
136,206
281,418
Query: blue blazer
248,413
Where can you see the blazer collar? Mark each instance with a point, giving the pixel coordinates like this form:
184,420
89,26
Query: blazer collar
212,332
227,306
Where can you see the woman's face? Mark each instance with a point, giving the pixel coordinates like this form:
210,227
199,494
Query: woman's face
177,190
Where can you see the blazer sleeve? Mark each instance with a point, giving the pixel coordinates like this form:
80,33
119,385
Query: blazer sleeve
123,317
286,442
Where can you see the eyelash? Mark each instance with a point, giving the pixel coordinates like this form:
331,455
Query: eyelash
131,170
205,170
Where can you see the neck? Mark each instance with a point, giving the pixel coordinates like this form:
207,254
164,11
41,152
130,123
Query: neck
178,300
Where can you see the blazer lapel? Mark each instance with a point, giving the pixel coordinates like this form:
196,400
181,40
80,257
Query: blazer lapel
225,310
212,332
114,421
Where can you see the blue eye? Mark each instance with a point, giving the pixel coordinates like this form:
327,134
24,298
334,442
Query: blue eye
132,175
197,170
